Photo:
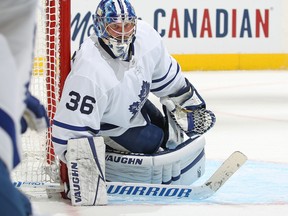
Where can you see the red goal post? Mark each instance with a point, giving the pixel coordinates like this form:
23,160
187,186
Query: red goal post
50,68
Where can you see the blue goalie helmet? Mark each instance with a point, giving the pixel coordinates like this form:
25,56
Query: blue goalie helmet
115,23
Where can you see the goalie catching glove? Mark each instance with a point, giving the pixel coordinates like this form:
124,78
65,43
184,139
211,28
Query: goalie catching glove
188,110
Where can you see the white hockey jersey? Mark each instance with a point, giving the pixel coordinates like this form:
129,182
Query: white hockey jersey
104,96
17,28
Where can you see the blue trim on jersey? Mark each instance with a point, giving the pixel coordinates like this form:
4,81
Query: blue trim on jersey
164,77
8,126
12,201
197,159
106,126
59,141
74,128
166,84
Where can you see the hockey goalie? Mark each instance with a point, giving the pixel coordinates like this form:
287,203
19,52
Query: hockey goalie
106,128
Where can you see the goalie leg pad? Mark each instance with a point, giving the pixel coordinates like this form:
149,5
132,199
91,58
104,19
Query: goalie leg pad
86,171
182,166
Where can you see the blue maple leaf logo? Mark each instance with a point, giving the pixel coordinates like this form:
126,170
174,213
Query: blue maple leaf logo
144,92
133,108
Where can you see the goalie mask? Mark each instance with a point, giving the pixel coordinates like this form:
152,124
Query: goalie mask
115,23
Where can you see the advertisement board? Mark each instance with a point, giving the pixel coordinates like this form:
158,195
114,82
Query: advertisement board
212,34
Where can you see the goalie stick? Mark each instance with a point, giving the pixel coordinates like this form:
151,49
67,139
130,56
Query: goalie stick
213,184
216,181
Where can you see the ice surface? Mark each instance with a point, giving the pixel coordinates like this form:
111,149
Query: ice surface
252,116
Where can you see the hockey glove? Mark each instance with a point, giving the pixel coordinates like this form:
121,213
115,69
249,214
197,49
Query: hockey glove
34,116
188,110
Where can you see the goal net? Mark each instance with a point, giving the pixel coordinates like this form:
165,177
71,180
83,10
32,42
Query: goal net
50,67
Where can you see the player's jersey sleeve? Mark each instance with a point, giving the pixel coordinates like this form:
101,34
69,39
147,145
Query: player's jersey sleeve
78,113
167,77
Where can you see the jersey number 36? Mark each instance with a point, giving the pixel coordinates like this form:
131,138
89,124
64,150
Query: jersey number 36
85,103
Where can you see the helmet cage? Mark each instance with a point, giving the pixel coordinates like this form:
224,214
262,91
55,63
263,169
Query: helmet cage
116,29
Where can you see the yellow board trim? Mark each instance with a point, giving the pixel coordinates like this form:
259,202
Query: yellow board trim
190,62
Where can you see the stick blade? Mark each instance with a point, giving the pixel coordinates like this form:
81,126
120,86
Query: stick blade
226,170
